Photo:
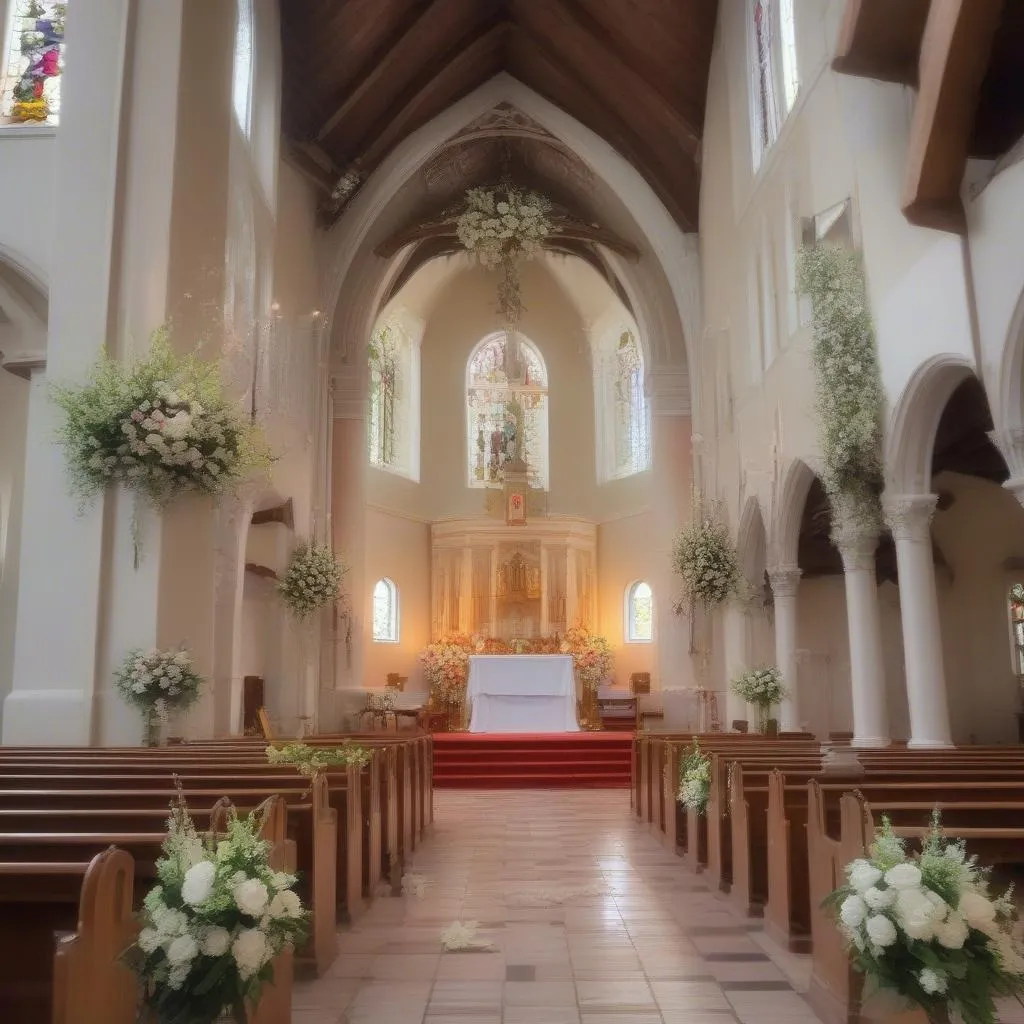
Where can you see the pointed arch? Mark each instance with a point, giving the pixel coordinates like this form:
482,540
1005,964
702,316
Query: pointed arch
752,541
788,512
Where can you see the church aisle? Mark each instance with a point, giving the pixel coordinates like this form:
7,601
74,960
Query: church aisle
591,920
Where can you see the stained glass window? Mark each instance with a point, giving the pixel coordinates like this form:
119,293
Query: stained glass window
385,611
639,613
381,430
506,411
241,86
632,451
33,63
1017,626
765,109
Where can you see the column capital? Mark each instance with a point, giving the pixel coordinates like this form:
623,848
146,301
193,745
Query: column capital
784,580
857,543
909,516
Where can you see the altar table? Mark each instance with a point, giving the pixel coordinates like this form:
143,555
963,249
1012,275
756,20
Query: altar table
522,693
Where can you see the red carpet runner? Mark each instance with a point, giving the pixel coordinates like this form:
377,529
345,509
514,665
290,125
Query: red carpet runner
571,760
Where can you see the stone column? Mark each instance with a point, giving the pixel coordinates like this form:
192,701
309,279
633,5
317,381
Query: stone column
737,657
909,517
867,660
466,592
571,596
545,591
1010,442
785,580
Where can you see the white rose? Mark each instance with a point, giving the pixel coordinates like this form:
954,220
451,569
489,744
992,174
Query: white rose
853,911
863,875
951,933
250,951
198,883
879,899
251,897
182,950
881,930
149,939
215,941
903,876
932,982
285,904
977,911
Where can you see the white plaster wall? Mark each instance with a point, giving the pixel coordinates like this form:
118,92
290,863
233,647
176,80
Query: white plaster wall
26,174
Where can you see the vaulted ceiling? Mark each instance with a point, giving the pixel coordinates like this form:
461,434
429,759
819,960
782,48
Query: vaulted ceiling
361,75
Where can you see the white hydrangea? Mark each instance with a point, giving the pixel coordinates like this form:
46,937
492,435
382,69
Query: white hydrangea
881,931
198,883
878,899
183,950
215,941
251,897
853,912
250,951
933,982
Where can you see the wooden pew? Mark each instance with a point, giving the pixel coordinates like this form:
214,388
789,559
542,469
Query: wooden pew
311,824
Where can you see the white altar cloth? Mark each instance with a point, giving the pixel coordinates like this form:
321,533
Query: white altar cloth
522,693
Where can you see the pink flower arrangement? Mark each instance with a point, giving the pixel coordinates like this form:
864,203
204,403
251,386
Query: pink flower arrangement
591,656
446,666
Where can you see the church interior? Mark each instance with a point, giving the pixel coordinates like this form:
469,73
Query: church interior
509,511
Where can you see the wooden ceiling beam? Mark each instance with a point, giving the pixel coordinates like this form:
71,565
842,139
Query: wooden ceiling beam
310,168
435,77
954,58
678,190
399,48
589,51
881,39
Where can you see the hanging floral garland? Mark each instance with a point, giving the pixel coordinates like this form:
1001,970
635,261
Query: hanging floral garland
705,559
312,580
851,398
500,226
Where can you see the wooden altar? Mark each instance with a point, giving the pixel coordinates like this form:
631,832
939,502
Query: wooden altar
513,582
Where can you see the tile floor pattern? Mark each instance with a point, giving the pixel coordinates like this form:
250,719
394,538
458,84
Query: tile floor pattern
592,922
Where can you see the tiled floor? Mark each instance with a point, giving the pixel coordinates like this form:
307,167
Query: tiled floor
591,920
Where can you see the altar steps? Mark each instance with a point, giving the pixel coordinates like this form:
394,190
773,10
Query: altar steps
549,760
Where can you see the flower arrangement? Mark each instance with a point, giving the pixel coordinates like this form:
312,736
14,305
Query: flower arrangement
694,779
705,559
851,400
311,761
503,223
160,426
762,687
311,581
158,682
446,666
591,656
380,703
926,927
214,923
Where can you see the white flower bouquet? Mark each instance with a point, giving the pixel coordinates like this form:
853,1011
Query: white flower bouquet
926,927
694,779
704,558
158,682
311,581
311,761
501,224
761,687
159,426
213,924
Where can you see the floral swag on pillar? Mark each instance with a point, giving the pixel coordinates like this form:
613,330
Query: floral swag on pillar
160,426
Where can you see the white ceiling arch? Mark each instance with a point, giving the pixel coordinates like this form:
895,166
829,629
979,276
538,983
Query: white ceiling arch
663,286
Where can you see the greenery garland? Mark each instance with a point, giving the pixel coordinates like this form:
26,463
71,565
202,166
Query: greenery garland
160,426
695,779
311,761
705,559
851,399
312,580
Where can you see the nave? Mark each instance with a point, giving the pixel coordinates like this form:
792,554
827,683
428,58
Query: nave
592,922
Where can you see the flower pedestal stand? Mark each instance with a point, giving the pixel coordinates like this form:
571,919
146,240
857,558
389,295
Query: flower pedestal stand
590,713
151,729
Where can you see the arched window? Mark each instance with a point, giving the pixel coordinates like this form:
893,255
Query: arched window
632,424
32,61
639,613
385,612
392,430
1016,608
774,76
506,411
241,85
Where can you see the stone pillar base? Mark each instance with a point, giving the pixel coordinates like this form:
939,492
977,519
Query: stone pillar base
47,718
930,745
870,741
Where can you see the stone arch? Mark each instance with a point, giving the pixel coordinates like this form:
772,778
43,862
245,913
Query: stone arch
791,497
752,542
664,296
910,438
24,298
